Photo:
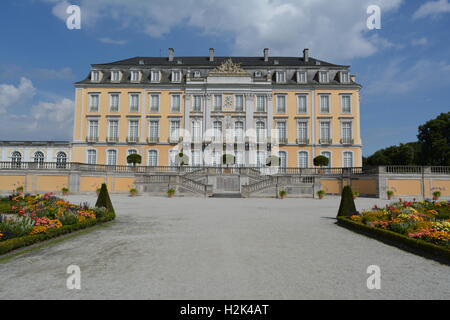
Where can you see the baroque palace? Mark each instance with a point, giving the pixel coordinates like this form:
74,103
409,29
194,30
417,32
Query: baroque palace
254,108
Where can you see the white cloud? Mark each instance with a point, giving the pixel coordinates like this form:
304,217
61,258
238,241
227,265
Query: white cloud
420,42
432,8
11,96
21,119
399,79
331,29
112,41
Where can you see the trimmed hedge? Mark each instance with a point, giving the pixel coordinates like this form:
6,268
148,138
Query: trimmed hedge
16,243
419,247
347,206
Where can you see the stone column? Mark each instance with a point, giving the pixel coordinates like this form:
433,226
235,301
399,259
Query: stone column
269,116
207,112
249,109
187,110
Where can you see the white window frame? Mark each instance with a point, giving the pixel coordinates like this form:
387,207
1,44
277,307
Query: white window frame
133,134
299,159
96,128
95,76
285,133
280,76
305,97
130,98
298,130
196,127
324,76
218,98
111,101
330,158
351,129
174,134
158,131
91,95
88,158
176,76
352,159
281,97
194,99
300,78
261,99
329,130
345,77
158,99
109,128
135,76
148,157
350,103
108,151
239,108
172,109
328,96
115,76
155,76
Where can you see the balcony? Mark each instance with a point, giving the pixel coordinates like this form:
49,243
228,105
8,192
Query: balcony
112,139
173,140
302,141
325,141
282,140
92,139
152,139
347,141
132,139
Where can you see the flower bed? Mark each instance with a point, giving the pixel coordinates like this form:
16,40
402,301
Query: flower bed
418,225
40,217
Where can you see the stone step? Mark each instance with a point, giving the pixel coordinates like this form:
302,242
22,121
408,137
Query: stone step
226,195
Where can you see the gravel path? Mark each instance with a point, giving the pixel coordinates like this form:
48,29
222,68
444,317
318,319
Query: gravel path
195,248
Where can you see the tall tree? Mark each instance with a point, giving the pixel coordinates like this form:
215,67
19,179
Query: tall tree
434,137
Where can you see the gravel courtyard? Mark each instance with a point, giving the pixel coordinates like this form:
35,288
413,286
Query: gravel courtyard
196,248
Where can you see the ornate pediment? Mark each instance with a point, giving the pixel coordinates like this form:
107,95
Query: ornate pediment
229,68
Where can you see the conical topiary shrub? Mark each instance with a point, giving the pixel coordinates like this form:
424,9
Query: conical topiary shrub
103,199
347,206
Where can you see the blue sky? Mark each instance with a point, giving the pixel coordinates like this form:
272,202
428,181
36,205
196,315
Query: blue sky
404,67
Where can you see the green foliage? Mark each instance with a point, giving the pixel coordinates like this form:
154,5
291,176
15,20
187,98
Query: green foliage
436,194
321,161
16,227
134,158
283,193
170,192
228,159
68,218
103,199
404,154
434,137
347,206
389,193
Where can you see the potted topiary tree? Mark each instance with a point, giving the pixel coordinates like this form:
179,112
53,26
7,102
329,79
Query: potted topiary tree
283,194
228,159
436,195
19,189
321,161
133,192
65,191
355,194
347,207
134,159
321,194
389,194
170,192
103,200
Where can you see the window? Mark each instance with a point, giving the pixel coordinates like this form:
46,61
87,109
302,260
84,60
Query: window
346,132
324,103
112,157
197,74
154,103
114,102
260,158
176,76
38,157
16,159
327,154
93,130
115,75
92,156
239,130
197,104
196,158
239,102
217,129
260,104
302,132
155,76
94,99
345,77
239,159
217,102
346,103
95,76
176,103
260,131
133,130
301,77
325,135
281,104
153,130
324,77
302,105
280,76
172,157
61,159
283,159
152,158
134,77
303,159
348,159
216,158
175,130
258,74
196,130
282,132
131,151
134,102
113,130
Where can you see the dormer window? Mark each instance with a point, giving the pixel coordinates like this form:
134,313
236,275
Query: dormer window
95,76
345,77
258,74
196,74
281,77
155,76
301,77
324,77
134,77
115,76
176,76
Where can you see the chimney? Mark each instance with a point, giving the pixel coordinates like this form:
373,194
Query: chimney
211,54
266,55
306,55
171,54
